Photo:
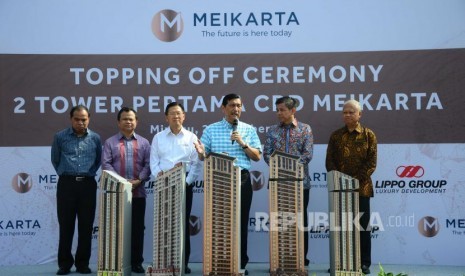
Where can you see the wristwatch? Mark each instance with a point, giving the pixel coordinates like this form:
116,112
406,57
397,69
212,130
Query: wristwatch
245,146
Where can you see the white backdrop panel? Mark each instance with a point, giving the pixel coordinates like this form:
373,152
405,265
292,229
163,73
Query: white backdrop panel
29,218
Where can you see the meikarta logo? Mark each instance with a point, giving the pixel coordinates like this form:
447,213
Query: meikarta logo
195,225
167,25
257,179
21,183
410,171
428,226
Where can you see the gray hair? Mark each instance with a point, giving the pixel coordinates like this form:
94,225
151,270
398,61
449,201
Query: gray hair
353,103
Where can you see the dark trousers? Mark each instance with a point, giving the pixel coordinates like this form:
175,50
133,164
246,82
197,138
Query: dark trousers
187,236
365,234
75,199
306,199
246,202
137,231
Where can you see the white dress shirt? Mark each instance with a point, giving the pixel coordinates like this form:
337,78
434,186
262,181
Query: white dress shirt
168,149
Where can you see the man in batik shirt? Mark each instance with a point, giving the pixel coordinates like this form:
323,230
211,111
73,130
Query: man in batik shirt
296,138
352,150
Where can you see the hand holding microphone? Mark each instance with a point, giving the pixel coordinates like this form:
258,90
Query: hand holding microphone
234,126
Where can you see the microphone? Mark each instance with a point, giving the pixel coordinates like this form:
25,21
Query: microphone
234,126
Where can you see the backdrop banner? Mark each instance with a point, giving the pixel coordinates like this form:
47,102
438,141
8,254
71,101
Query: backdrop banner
408,73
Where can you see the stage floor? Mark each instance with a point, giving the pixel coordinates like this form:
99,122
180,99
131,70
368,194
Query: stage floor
255,269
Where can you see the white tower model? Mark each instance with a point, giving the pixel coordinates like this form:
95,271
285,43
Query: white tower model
286,215
169,212
344,237
114,239
222,214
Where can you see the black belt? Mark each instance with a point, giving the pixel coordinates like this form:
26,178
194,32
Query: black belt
77,178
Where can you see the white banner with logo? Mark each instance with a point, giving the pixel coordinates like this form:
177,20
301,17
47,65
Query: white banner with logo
408,72
417,211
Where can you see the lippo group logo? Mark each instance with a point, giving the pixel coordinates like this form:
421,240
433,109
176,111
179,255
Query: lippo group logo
411,179
150,187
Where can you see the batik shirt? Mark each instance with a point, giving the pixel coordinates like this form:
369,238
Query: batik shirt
354,153
295,138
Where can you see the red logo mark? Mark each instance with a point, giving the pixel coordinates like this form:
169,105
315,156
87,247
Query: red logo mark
410,171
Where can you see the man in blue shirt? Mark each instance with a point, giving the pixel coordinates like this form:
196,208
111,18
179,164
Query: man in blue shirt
75,155
239,140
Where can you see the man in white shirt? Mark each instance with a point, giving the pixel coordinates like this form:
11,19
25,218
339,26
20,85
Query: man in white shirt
173,145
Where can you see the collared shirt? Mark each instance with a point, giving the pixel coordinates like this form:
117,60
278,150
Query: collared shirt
74,155
168,149
130,158
217,138
354,153
295,138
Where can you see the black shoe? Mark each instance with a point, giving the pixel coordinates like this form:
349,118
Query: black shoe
329,270
63,271
84,270
246,272
138,269
307,262
187,270
365,269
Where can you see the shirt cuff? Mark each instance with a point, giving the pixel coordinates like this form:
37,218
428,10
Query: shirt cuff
189,180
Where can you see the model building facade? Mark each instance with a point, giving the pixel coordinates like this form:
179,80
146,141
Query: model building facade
222,213
286,215
114,240
169,223
344,237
